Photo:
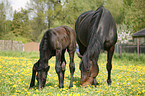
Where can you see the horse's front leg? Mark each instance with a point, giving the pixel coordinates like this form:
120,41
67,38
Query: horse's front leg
95,82
32,83
109,63
58,68
33,78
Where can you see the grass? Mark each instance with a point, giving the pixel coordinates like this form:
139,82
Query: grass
128,76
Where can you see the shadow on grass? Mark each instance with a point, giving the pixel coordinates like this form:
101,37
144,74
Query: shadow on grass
50,84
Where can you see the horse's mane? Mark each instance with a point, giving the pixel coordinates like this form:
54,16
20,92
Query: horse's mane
44,40
95,42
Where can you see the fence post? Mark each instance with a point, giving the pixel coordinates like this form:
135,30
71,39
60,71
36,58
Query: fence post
138,47
12,45
3,44
120,50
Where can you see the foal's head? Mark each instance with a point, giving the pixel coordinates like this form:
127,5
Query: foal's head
41,75
41,78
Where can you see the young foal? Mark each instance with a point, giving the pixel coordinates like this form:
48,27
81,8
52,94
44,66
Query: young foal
54,43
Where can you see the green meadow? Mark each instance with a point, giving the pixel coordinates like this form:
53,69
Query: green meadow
128,76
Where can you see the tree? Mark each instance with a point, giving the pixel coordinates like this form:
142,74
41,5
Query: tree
2,18
135,14
71,9
20,27
37,9
116,8
4,24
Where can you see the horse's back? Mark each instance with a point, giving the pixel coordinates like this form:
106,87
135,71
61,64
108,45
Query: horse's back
59,37
99,22
81,26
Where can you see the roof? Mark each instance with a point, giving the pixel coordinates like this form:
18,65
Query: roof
140,33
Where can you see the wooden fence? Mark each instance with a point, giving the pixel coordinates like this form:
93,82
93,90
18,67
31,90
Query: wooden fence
128,48
31,46
11,45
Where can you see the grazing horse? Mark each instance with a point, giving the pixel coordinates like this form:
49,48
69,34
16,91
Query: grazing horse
95,30
54,43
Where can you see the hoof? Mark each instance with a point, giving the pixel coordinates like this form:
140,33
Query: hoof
88,86
109,81
70,86
61,86
95,83
30,87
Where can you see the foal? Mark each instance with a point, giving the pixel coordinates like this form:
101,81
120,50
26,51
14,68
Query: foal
54,43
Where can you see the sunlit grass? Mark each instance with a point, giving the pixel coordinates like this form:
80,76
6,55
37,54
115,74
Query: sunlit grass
128,77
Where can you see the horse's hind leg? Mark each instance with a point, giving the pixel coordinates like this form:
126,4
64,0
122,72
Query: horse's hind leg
82,48
71,51
110,53
58,68
63,64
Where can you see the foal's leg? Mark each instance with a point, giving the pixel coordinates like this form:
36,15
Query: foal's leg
63,64
33,78
33,74
58,67
71,51
110,53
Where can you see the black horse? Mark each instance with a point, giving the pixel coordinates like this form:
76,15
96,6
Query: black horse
96,30
54,43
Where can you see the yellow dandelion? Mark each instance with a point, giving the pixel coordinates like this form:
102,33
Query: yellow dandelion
28,93
48,94
14,85
37,90
70,95
139,92
77,94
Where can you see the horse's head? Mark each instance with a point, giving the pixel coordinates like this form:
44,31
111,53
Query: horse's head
89,70
41,75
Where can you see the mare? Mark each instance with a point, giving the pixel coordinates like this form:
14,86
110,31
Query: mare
95,30
54,43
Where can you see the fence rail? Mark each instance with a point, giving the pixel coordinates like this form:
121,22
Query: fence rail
19,46
129,48
11,45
